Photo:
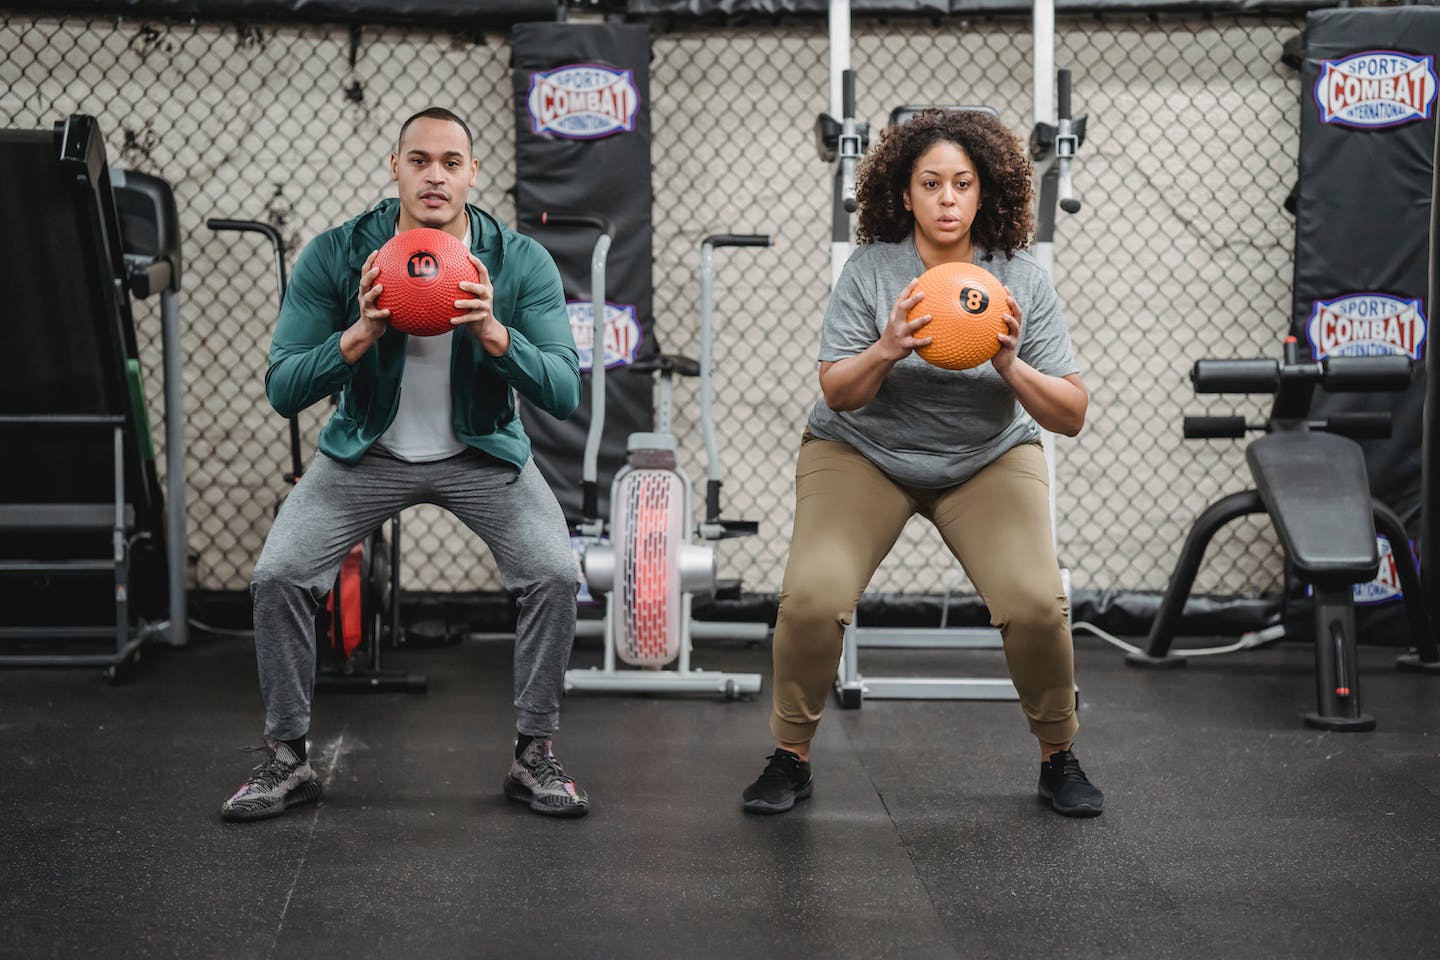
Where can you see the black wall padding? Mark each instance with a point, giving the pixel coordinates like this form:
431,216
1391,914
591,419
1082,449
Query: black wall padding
478,13
414,13
605,173
676,10
1367,136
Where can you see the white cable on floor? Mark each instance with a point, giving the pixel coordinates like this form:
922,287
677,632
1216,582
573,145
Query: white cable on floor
1248,641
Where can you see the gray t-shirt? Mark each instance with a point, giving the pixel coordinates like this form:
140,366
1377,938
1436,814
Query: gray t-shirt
929,427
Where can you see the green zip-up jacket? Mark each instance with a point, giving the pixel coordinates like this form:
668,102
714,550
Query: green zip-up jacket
322,300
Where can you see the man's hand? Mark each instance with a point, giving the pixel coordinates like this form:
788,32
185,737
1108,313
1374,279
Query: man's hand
361,336
479,312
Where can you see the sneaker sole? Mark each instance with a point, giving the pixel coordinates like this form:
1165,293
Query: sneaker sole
760,806
520,793
1077,810
307,792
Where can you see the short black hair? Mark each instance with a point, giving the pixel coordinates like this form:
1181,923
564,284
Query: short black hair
436,113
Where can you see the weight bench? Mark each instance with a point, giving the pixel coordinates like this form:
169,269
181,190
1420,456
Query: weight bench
1312,482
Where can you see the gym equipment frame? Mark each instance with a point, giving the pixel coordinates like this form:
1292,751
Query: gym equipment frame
1053,148
657,564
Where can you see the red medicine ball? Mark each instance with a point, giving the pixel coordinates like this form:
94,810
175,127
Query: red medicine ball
420,271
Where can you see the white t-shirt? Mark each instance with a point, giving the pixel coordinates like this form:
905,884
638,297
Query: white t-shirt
422,430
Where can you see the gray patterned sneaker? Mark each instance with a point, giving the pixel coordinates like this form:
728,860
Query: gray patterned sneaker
275,785
537,778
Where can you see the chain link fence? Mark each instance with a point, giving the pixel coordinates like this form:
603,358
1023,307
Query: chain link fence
1182,249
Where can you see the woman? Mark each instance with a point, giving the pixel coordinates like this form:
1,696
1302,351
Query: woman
894,436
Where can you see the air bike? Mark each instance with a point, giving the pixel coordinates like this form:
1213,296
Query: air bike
647,559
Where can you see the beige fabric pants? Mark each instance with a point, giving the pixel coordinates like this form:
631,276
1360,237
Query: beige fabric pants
848,515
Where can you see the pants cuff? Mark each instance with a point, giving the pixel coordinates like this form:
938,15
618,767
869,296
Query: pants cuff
787,732
536,724
1055,731
287,729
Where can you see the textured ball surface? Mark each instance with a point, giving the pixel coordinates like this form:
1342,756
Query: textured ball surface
420,271
966,304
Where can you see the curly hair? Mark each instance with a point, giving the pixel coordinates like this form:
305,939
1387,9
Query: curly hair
1004,221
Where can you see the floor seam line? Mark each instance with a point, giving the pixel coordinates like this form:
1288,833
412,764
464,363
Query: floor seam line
929,895
334,765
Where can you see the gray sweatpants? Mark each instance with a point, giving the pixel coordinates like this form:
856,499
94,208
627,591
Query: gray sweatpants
334,506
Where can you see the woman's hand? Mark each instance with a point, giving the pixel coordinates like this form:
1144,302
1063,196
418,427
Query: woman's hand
1010,339
898,340
851,383
1056,403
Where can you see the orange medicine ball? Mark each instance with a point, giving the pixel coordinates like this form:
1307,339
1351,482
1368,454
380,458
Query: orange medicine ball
420,271
966,304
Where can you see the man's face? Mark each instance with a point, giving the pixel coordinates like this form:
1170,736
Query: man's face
434,170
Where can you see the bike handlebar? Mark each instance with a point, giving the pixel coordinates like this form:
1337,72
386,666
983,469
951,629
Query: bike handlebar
277,242
1067,140
738,240
277,245
849,147
250,226
548,219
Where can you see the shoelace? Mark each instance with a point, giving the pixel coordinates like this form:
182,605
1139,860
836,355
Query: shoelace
780,769
548,771
269,772
1070,768
270,775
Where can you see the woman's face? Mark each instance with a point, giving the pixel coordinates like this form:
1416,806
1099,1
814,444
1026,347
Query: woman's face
943,194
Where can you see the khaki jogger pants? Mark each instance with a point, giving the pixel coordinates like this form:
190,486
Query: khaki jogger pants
848,515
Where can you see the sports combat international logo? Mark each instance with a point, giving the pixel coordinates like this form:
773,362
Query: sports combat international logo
622,332
583,101
1377,88
1366,325
1386,585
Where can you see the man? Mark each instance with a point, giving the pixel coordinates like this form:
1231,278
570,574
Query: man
420,420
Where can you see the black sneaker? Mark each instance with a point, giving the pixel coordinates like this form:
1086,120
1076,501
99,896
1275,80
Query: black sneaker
278,783
1064,785
537,779
785,780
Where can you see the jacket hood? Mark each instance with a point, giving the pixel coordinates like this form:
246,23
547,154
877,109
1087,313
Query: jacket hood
370,231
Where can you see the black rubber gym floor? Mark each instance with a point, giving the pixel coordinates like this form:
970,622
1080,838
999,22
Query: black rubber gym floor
1230,830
